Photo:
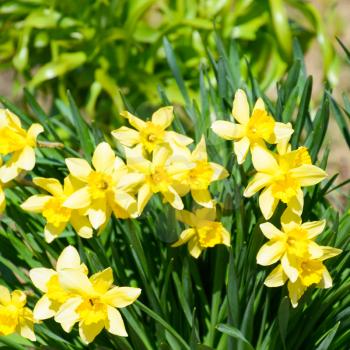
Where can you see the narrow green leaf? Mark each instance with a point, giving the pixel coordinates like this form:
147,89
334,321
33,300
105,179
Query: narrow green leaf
235,333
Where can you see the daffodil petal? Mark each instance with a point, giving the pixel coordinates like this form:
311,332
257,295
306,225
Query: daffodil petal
308,175
329,252
296,291
26,329
259,181
203,198
314,228
137,123
40,276
51,185
240,109
163,117
173,137
102,280
282,132
67,315
276,278
208,214
259,105
185,236
267,202
173,198
79,199
36,203
194,248
200,151
186,217
79,168
81,224
26,159
270,253
270,231
43,309
241,149
5,296
115,324
144,195
34,130
68,259
121,296
75,281
228,130
103,158
89,331
126,136
289,267
51,231
219,172
326,281
98,213
264,160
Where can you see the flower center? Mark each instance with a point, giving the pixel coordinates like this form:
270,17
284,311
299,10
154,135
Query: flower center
99,183
210,234
285,187
8,319
55,292
260,126
160,180
92,310
55,213
199,178
311,272
151,136
297,242
12,140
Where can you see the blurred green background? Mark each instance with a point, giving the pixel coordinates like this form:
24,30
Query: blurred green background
106,51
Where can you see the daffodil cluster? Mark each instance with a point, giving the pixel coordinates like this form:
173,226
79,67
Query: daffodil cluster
70,297
280,176
17,149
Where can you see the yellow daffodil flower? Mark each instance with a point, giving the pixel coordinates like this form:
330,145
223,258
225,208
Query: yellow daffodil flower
201,174
18,143
158,175
15,317
294,242
282,176
47,281
2,198
203,232
310,271
150,134
51,207
95,304
250,130
105,189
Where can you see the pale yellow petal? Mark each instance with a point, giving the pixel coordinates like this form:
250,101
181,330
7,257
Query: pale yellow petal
282,132
200,151
228,130
103,158
5,296
289,266
26,159
160,156
43,309
259,105
89,331
79,199
314,228
34,130
79,168
137,123
270,231
314,250
276,278
51,232
194,248
144,195
102,280
75,281
206,214
36,203
296,203
136,160
270,253
203,198
40,276
126,201
121,296
98,213
126,136
176,139
241,149
81,225
240,109
264,160
50,185
173,198
267,202
2,200
115,323
326,281
185,236
290,220
67,315
68,259
259,181
186,217
163,117
329,252
296,291
219,172
27,328
308,175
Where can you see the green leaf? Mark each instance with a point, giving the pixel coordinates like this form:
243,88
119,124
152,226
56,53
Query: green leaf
328,338
234,333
